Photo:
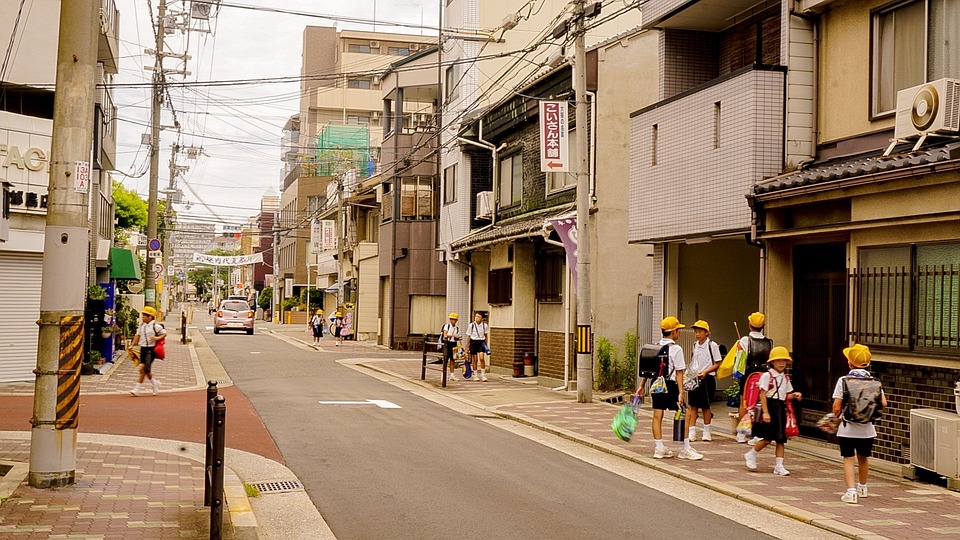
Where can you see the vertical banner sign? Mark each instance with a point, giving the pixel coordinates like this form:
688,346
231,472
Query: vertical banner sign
329,234
68,376
554,156
567,229
316,232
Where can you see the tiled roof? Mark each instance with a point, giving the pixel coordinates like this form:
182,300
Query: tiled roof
862,165
520,227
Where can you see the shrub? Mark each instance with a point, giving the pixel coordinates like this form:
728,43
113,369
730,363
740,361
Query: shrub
606,358
289,303
265,298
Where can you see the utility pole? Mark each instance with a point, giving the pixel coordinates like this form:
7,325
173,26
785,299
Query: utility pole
150,288
341,234
53,438
584,308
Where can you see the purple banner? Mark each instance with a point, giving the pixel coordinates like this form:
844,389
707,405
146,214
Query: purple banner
567,229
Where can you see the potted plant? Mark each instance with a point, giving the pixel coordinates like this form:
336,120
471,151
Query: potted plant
96,292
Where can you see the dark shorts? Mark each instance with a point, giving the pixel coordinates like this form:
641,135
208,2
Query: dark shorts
775,429
850,446
146,358
667,401
703,394
448,347
477,347
317,331
336,331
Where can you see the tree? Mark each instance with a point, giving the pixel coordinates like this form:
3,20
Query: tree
265,299
202,278
129,209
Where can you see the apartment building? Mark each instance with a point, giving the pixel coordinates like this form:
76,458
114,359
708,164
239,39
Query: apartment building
26,126
862,243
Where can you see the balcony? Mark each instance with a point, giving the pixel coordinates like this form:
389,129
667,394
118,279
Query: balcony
105,129
409,153
717,140
702,15
108,47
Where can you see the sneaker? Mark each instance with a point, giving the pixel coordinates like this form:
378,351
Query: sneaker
155,387
661,453
453,377
754,441
135,392
484,378
690,453
849,497
741,438
706,437
751,460
862,492
781,471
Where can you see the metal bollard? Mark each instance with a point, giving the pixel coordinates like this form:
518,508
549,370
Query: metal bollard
183,327
208,437
215,471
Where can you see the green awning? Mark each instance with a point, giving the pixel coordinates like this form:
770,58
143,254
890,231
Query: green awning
124,264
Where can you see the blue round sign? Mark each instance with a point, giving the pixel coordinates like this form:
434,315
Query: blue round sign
154,244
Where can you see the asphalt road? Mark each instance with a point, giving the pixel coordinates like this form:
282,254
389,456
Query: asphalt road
425,471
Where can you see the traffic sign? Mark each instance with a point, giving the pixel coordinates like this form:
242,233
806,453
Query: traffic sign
154,244
155,254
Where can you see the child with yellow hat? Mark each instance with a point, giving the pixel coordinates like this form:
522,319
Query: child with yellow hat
775,390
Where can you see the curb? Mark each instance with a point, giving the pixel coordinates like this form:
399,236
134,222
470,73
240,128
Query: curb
803,516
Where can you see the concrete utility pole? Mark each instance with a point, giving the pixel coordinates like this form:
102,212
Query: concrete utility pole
341,235
150,288
53,438
584,307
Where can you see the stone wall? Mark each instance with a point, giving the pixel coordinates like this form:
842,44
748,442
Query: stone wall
507,344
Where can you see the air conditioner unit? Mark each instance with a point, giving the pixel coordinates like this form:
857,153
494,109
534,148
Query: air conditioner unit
414,46
933,107
484,205
374,44
199,11
934,442
375,115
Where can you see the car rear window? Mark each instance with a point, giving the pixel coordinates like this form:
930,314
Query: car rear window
234,305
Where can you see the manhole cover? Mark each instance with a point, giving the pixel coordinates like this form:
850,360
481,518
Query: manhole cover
281,486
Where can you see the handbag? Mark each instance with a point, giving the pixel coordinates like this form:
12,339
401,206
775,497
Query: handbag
658,386
159,351
745,426
790,427
625,421
829,424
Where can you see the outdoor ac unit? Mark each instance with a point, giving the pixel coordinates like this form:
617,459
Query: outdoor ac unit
485,205
933,441
374,44
375,115
199,11
933,107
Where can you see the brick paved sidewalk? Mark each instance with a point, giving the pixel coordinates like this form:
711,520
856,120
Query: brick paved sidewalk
121,493
178,371
896,508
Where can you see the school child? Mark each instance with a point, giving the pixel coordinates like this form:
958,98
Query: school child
704,362
856,437
775,390
450,334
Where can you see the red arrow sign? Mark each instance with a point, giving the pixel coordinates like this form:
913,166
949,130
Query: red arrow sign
554,164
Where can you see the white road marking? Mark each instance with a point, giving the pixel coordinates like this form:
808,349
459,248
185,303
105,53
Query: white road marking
383,404
254,352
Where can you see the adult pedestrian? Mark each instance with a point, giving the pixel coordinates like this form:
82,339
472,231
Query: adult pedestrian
149,332
449,336
775,390
338,327
671,399
316,323
855,438
478,332
704,362
756,347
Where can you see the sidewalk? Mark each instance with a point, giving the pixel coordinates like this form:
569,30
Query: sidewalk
896,508
147,486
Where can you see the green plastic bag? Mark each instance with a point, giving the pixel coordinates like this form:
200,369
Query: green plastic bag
625,421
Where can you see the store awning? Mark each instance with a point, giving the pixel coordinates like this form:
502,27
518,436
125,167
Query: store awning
124,264
335,288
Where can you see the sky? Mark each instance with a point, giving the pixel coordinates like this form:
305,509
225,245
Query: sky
238,125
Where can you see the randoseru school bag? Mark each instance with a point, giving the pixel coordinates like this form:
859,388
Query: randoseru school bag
656,367
861,399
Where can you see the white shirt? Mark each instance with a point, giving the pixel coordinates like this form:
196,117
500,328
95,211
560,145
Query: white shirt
452,331
677,362
478,332
701,359
853,430
149,328
745,340
780,385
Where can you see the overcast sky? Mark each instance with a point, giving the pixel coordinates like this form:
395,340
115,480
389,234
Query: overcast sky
238,125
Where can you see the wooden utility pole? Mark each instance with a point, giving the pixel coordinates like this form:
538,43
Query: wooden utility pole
53,438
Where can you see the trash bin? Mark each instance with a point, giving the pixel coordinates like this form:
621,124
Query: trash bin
528,364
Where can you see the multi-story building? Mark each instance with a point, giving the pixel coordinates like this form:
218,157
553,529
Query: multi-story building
736,87
341,87
189,237
26,113
264,224
862,244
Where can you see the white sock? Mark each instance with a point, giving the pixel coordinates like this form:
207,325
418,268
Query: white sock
659,443
686,444
752,452
779,462
852,491
861,486
692,431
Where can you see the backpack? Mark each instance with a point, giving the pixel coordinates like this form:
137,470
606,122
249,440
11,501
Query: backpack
654,361
861,399
758,352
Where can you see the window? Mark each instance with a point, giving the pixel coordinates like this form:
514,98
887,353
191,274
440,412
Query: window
452,82
417,199
357,48
450,184
511,179
355,119
398,51
900,59
559,181
550,276
907,298
500,287
363,84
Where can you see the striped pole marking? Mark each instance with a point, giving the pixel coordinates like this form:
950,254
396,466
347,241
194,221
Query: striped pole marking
584,339
68,377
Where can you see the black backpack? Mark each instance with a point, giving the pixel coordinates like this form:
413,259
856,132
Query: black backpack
862,399
654,361
758,353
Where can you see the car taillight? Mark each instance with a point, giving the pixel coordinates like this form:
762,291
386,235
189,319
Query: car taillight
249,314
219,314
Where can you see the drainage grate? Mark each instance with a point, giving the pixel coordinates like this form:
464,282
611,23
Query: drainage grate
282,486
